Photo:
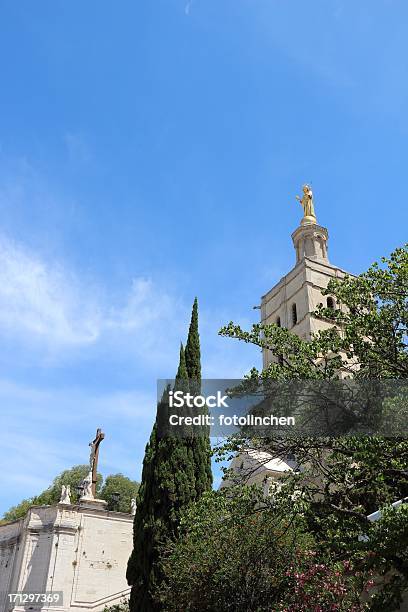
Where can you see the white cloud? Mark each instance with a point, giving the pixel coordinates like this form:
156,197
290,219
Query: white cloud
49,424
45,303
39,299
46,307
147,308
188,6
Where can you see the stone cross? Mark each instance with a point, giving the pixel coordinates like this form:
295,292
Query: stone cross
93,459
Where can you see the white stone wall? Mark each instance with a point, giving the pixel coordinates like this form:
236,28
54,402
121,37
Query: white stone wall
9,537
80,550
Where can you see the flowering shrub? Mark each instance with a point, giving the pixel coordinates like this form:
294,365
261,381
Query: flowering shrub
320,587
234,556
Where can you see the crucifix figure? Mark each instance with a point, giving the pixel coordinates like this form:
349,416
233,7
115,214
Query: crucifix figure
93,458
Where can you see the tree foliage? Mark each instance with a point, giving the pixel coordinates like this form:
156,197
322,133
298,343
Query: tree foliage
192,352
52,494
176,471
122,485
73,477
236,553
369,328
342,480
123,606
373,315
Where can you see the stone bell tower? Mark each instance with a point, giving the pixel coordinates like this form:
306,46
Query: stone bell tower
296,296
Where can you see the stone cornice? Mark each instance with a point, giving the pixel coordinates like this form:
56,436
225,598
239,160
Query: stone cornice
301,267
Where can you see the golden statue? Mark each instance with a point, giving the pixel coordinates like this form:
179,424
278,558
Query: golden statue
307,204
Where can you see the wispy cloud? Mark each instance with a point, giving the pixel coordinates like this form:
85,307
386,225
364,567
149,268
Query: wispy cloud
147,307
47,308
188,6
44,302
40,299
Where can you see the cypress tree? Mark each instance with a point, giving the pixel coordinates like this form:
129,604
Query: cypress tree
139,572
182,372
171,479
201,443
192,352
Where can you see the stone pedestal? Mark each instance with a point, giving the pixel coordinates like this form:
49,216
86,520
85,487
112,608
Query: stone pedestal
308,220
310,240
91,502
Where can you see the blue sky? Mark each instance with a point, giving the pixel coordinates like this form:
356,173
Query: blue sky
151,152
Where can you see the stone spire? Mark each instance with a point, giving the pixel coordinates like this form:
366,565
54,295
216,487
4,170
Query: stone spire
292,302
310,239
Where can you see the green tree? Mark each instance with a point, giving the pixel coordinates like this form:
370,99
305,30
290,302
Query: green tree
114,483
344,479
182,372
235,553
171,480
369,328
374,317
192,352
16,512
119,484
52,494
201,443
72,477
120,607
